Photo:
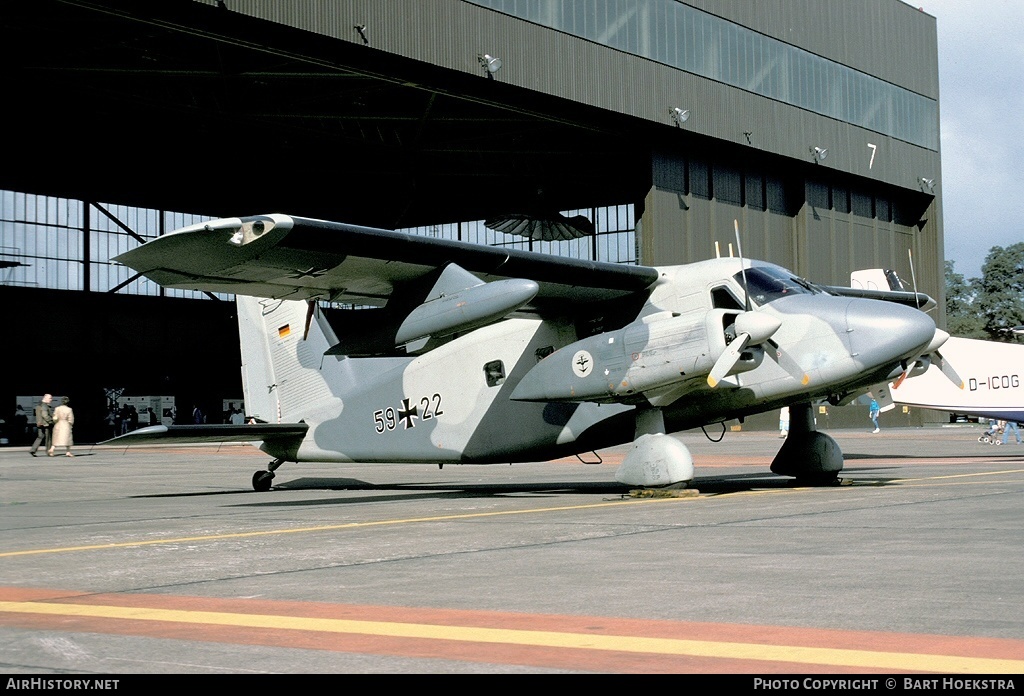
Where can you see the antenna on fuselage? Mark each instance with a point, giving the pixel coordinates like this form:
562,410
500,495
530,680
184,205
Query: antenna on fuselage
743,269
913,278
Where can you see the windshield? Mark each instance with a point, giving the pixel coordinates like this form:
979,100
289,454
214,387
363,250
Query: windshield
768,283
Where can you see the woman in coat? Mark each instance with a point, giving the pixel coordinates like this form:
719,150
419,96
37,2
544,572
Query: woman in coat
63,420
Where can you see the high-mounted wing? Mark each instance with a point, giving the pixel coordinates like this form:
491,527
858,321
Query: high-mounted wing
285,257
909,298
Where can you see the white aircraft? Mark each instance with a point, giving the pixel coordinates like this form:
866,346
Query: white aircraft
992,381
469,354
991,385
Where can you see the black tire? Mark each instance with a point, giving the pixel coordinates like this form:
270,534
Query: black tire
828,478
261,481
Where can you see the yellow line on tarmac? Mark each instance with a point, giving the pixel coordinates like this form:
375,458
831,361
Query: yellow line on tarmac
412,520
956,476
327,528
903,662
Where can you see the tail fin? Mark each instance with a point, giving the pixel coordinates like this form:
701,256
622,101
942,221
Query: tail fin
281,366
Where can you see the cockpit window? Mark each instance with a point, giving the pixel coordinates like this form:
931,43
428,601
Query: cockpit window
767,283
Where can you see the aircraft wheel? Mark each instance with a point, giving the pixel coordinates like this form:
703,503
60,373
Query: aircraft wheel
261,481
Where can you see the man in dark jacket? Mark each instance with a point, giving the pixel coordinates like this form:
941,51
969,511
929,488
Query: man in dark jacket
44,424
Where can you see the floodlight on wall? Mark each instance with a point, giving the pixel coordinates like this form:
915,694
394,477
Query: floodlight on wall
927,183
819,153
680,116
490,64
361,30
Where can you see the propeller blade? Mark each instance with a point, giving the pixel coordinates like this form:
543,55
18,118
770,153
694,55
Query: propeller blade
903,376
787,363
310,309
727,360
947,370
931,354
752,328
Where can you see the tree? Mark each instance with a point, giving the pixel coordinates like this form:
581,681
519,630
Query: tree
963,317
1000,292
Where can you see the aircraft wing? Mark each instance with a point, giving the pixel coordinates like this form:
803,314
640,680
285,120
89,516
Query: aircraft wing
904,297
281,433
285,257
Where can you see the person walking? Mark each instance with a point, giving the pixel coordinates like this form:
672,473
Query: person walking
784,422
44,425
1010,425
63,422
873,411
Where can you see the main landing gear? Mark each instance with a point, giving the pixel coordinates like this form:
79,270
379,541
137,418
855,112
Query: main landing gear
813,458
261,480
656,460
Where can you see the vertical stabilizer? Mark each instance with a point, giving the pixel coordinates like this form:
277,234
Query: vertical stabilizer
282,371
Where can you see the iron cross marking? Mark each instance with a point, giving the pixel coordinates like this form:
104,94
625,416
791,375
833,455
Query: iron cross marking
408,414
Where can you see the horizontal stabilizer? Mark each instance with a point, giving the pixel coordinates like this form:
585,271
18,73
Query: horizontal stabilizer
185,434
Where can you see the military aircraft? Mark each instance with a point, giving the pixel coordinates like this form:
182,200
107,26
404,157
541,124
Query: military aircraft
455,353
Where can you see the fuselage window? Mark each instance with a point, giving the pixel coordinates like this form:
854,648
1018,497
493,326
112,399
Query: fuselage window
721,298
494,371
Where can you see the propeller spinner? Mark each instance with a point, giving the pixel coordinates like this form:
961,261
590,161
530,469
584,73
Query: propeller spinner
753,328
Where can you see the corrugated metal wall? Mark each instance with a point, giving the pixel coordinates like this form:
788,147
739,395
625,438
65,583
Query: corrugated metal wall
885,38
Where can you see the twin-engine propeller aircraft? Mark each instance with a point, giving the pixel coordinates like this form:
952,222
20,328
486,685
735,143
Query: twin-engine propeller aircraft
468,354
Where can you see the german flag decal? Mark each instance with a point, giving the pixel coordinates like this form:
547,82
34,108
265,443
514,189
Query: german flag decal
283,331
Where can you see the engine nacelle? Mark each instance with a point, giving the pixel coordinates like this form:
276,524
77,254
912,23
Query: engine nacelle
466,309
619,366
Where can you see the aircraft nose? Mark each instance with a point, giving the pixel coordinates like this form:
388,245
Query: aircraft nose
881,332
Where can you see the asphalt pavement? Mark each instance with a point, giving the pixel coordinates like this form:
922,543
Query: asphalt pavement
163,560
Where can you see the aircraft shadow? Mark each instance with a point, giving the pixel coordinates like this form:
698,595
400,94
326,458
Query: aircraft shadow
722,485
717,485
983,454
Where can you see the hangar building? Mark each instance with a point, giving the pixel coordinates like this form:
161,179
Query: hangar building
814,123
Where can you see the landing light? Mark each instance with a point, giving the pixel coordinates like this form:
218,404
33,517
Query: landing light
250,232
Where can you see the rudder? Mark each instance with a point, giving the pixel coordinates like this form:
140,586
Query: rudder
281,371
